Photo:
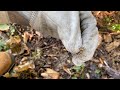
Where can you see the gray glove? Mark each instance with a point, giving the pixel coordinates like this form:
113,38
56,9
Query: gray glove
76,30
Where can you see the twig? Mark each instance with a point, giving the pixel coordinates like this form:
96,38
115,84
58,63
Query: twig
113,73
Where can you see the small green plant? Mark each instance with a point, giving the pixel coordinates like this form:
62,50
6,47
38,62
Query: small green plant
78,72
114,27
3,46
108,20
12,30
4,27
97,71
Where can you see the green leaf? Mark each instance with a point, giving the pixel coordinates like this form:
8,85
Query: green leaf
74,77
97,71
4,27
114,27
82,76
76,68
12,30
3,45
108,19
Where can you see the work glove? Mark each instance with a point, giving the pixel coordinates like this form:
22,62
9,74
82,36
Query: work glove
76,29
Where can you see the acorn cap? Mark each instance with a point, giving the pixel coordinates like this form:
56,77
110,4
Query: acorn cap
5,62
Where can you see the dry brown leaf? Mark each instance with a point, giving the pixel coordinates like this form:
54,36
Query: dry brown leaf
67,70
24,60
88,75
112,46
50,74
12,74
27,49
108,38
14,40
27,36
100,40
116,54
39,34
7,75
117,36
24,67
100,65
68,61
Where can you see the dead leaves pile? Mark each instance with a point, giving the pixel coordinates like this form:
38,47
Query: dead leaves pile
18,44
50,74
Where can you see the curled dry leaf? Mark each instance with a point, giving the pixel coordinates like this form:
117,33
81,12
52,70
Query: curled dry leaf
108,38
27,36
14,40
7,75
67,70
27,49
50,74
12,74
112,46
23,61
23,67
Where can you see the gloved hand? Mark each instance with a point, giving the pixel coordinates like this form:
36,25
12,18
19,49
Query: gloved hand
76,29
90,38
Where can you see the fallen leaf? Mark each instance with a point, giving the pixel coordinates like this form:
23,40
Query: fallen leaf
97,71
88,75
67,70
24,60
7,75
100,40
14,40
11,74
24,67
107,38
117,36
39,34
74,77
116,54
50,74
14,74
27,49
4,27
27,36
12,30
112,46
68,61
100,65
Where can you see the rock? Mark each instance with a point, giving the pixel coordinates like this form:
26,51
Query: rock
5,62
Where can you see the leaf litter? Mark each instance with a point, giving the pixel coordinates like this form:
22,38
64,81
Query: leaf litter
46,58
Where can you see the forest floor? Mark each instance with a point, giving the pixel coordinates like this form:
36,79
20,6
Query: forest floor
37,57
